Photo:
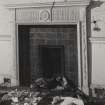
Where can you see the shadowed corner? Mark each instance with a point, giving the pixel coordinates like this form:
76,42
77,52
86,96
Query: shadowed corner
95,4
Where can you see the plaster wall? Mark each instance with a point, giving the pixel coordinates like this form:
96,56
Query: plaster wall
5,59
98,64
98,43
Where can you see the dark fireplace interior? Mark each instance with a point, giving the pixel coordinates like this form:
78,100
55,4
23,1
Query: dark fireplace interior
52,60
46,51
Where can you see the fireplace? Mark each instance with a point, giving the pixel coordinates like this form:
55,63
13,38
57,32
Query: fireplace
43,28
46,51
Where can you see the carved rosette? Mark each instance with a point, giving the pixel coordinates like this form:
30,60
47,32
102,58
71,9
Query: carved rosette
44,15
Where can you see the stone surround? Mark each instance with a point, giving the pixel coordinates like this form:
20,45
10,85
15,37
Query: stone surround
62,13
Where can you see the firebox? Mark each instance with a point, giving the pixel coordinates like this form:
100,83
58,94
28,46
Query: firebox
46,51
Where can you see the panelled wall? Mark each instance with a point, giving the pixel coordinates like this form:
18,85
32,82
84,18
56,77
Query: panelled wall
6,46
5,57
97,43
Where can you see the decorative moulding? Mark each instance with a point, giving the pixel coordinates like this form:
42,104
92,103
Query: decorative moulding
97,86
49,4
5,37
97,40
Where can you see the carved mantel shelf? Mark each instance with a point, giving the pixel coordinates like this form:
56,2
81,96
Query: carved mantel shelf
49,4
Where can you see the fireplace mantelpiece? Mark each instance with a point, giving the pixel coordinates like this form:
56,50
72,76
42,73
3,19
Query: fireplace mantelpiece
72,12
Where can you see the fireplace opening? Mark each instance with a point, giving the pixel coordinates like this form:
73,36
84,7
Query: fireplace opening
52,60
46,50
